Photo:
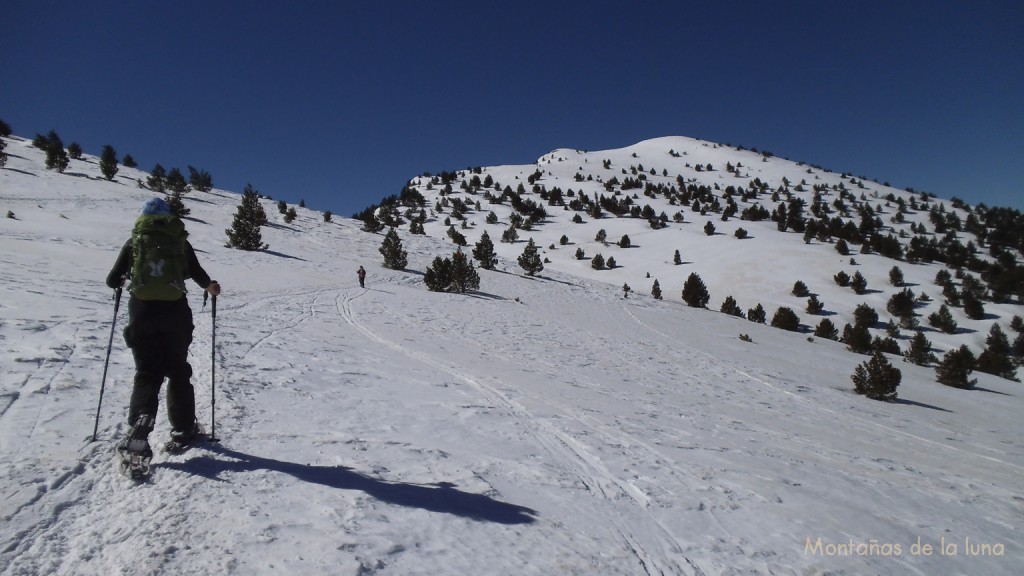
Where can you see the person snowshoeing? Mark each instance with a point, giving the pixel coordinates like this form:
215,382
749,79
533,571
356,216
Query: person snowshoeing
362,277
156,261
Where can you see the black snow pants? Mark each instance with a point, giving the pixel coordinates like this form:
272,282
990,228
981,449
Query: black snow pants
159,334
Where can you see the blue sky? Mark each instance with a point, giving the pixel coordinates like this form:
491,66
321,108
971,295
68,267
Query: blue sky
340,103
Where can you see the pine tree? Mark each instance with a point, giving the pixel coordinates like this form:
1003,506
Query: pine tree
865,315
757,314
530,260
901,304
175,182
995,359
677,259
800,289
857,338
484,252
200,180
973,306
157,178
919,351
656,290
1017,323
597,262
1017,349
896,276
943,320
438,276
695,293
177,205
858,283
826,329
3,155
371,223
888,345
244,233
709,229
842,279
108,162
290,215
877,378
56,157
730,307
815,306
395,257
128,161
951,293
510,235
75,151
786,319
464,275
956,367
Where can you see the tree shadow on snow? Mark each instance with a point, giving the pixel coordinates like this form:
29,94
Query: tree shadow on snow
921,404
439,497
283,255
20,171
485,295
979,388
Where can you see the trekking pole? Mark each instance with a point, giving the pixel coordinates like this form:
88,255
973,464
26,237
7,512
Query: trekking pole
213,371
110,344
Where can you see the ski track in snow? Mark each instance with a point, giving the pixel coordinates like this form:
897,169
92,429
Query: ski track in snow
590,471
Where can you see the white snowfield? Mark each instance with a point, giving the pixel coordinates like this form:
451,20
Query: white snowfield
541,425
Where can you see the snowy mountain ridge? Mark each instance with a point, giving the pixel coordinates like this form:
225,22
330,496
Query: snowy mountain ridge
540,425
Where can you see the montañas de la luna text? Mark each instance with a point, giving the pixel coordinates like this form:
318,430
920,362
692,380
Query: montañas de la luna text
873,547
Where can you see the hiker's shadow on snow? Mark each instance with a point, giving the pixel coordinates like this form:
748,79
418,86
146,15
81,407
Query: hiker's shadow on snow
440,497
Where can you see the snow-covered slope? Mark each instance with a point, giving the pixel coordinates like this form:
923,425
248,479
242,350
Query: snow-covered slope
541,425
760,269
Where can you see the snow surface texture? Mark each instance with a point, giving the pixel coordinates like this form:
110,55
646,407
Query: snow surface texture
541,425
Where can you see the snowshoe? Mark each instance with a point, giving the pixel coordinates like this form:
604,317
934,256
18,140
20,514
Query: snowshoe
133,453
183,440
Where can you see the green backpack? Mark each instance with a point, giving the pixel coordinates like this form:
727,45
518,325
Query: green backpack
159,267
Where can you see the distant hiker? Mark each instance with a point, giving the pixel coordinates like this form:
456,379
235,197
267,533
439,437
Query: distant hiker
157,260
362,277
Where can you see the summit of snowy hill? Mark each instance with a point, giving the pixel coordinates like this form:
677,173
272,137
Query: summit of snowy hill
750,225
541,424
